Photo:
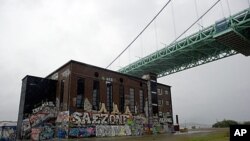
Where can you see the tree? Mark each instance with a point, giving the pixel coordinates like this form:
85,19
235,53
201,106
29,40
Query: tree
246,123
225,123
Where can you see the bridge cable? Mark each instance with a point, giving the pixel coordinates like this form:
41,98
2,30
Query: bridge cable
222,11
200,24
141,46
196,10
172,8
139,33
156,38
228,8
196,21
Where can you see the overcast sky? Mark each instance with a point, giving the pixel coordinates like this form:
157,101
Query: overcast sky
38,36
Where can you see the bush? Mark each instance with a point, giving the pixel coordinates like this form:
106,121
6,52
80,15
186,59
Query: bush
224,123
246,123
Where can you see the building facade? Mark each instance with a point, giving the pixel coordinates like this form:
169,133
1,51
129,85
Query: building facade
81,100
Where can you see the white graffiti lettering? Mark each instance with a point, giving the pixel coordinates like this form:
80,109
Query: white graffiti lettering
104,118
96,119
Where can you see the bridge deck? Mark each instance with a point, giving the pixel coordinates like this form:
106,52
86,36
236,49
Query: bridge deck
223,39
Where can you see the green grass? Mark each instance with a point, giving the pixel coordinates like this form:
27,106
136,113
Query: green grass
214,136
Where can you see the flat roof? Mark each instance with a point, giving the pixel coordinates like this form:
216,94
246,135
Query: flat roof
77,62
81,63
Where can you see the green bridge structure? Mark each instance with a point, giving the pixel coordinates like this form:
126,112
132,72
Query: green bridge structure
225,38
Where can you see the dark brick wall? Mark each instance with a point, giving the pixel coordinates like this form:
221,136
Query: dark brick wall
73,70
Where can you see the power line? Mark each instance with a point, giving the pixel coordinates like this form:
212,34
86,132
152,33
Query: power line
139,33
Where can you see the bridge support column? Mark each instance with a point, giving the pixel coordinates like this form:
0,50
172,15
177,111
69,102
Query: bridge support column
152,99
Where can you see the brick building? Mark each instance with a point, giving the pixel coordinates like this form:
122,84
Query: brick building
81,97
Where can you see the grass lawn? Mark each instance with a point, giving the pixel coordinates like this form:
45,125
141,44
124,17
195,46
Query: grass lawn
218,135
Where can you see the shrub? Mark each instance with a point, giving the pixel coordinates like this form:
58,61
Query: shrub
225,123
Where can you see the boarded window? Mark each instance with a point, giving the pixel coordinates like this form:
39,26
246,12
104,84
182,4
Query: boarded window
159,91
141,101
109,96
160,102
132,100
96,95
166,92
62,93
122,99
80,93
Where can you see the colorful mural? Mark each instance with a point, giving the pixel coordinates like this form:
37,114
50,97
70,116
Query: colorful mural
112,130
40,124
45,132
7,131
88,131
46,123
62,124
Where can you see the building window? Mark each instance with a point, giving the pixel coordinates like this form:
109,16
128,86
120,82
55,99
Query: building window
160,102
166,92
159,91
153,86
62,92
80,93
109,96
141,101
160,114
96,95
167,103
96,74
155,109
122,100
132,100
126,100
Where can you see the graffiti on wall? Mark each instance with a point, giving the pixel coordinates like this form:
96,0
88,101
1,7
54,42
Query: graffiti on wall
63,116
42,113
45,132
66,73
36,125
82,131
35,134
87,124
97,118
45,107
136,123
7,133
62,123
87,105
112,130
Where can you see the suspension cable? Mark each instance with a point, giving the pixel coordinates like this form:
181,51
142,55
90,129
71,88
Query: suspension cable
196,21
156,38
172,8
222,11
139,33
196,10
197,14
228,8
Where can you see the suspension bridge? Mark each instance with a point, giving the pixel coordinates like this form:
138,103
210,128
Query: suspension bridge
224,38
